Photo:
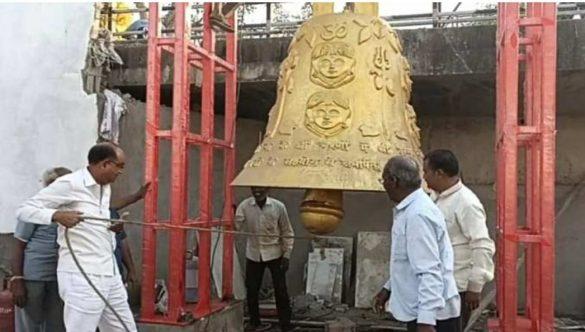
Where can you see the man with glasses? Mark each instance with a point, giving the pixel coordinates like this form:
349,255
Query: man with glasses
466,223
85,193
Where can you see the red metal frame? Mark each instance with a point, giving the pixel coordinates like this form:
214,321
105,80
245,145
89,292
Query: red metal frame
185,56
530,39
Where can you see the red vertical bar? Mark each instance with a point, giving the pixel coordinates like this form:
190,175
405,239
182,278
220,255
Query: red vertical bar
229,157
151,164
507,178
534,161
539,104
176,284
206,169
500,32
532,187
548,128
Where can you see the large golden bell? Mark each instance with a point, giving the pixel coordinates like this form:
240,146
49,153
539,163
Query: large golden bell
341,112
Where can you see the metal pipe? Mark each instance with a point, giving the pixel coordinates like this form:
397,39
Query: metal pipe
178,195
231,88
206,163
151,159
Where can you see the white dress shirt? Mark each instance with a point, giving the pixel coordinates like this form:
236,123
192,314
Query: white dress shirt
271,219
421,263
472,246
92,241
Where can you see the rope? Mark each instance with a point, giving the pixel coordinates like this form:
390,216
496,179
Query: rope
102,297
197,228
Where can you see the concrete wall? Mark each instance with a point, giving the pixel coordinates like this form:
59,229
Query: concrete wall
431,52
47,119
470,137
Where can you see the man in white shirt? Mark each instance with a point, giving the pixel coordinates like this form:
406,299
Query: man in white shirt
466,223
67,201
265,215
421,287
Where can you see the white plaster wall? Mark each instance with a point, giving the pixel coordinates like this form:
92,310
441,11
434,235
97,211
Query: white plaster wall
46,118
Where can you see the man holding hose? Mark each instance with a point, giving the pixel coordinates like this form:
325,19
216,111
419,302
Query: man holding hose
85,193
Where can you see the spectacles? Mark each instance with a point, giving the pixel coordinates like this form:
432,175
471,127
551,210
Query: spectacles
118,164
391,178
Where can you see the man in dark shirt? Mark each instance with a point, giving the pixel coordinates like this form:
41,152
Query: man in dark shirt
122,252
34,284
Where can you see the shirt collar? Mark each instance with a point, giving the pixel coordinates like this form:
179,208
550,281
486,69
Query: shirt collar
268,201
88,179
451,190
408,199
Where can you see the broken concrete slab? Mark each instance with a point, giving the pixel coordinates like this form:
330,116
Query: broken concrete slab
321,279
372,266
346,243
341,324
302,303
325,274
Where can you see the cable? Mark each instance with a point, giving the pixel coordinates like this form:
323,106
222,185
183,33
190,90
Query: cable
91,283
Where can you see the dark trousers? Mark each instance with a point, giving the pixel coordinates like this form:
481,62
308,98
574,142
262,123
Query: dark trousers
465,311
448,325
254,274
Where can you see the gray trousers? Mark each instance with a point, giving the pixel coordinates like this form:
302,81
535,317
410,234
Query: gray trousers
43,311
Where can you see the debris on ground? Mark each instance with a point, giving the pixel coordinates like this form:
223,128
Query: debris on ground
569,324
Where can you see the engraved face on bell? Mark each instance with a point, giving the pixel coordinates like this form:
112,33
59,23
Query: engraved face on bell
342,110
327,116
328,113
332,64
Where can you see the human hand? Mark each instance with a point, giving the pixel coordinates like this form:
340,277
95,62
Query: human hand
131,277
18,292
472,299
284,262
117,227
67,218
380,300
142,191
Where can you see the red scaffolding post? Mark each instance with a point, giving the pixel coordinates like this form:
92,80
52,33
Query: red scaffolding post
529,39
186,55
